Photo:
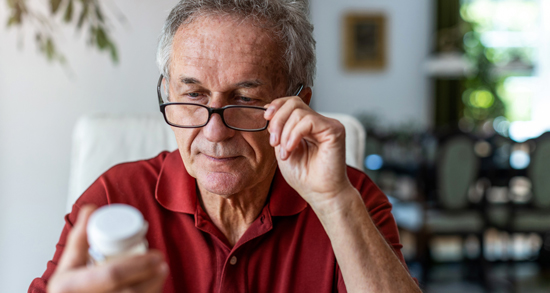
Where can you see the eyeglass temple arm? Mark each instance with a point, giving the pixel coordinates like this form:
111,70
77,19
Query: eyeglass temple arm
159,85
299,90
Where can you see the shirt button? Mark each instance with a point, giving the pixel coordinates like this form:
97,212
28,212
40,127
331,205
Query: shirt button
233,260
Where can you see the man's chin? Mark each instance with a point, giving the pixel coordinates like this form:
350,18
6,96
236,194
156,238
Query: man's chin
221,183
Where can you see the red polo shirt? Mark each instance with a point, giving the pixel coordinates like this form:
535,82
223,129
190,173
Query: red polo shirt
285,249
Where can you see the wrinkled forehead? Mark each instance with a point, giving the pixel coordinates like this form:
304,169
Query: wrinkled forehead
221,41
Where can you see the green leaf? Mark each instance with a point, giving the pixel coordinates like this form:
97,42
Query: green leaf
68,12
61,59
114,53
101,38
49,49
13,20
16,16
54,5
82,16
12,3
98,12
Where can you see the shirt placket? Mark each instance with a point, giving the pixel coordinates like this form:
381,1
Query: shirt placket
232,275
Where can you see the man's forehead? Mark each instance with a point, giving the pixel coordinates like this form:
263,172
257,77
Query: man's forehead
226,36
226,45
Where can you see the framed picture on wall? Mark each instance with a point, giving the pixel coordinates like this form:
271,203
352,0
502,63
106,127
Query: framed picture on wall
364,41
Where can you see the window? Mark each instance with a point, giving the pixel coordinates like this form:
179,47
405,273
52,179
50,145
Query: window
514,37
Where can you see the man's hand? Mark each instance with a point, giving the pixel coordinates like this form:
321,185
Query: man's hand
310,150
143,273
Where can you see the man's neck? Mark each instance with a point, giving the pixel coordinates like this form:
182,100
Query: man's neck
234,214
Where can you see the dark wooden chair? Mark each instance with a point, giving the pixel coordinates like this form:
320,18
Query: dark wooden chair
452,213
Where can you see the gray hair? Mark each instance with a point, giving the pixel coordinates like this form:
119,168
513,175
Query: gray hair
287,19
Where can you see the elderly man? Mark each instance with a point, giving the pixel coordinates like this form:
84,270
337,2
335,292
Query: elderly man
257,198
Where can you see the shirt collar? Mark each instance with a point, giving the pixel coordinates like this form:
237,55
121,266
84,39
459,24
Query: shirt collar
176,190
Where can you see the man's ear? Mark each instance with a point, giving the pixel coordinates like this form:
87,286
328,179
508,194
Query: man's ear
305,94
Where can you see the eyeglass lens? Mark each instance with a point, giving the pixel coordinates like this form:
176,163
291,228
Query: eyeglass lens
194,116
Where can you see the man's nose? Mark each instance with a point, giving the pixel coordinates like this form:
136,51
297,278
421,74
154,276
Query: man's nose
216,130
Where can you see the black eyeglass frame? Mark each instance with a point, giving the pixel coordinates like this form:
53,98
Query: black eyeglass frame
211,111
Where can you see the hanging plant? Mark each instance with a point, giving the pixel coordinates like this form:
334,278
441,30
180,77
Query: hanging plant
85,15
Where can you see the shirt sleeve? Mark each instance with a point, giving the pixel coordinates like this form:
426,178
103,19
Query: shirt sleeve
96,195
379,208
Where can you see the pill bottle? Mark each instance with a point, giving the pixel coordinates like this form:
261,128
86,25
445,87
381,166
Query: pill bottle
115,230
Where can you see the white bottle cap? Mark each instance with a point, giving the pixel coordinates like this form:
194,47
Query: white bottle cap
114,228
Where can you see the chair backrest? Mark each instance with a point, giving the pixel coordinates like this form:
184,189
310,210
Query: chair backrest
103,140
539,172
457,169
356,138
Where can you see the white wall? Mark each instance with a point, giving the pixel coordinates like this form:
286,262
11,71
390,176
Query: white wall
396,95
40,102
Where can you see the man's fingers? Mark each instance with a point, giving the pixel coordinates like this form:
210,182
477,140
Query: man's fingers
282,109
153,285
115,275
295,118
274,115
72,274
296,133
75,253
315,128
131,270
273,107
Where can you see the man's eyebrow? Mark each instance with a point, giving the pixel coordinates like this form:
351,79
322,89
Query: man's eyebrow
189,80
249,83
243,84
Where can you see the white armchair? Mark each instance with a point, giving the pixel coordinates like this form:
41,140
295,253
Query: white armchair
103,140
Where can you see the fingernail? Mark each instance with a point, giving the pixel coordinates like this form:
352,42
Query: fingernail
283,153
272,138
269,111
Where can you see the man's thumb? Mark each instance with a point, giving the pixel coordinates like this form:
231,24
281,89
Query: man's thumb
75,253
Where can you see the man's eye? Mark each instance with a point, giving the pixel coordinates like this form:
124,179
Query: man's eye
194,97
244,99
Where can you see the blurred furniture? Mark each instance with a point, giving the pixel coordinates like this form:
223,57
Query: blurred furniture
535,217
452,214
104,140
534,214
514,218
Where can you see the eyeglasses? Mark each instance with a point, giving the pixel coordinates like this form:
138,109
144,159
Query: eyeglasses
190,115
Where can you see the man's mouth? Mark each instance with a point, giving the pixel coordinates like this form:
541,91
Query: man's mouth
220,159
